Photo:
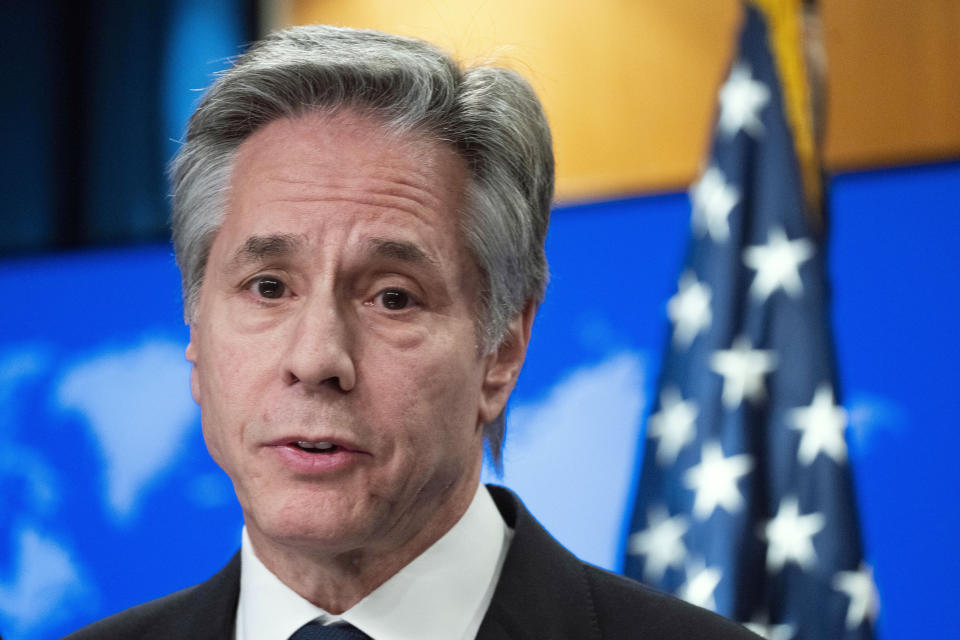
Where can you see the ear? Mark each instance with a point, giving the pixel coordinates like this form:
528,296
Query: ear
191,355
503,365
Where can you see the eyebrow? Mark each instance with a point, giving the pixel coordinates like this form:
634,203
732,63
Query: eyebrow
401,250
260,248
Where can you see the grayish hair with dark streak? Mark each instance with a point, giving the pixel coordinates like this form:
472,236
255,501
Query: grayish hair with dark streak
489,115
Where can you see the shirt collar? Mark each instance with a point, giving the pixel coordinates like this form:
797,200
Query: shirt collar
442,594
268,609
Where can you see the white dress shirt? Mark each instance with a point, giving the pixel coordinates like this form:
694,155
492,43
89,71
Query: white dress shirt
442,594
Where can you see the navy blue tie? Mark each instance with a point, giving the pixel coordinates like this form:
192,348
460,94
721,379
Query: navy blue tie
317,631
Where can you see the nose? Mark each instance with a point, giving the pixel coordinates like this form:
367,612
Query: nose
319,353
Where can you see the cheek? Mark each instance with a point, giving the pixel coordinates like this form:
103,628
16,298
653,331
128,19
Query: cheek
213,438
227,382
432,397
236,366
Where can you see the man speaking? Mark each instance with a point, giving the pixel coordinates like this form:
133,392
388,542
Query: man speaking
359,224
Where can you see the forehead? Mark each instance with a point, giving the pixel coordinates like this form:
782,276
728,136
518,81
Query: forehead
343,167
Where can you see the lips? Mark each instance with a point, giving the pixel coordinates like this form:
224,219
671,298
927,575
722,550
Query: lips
307,455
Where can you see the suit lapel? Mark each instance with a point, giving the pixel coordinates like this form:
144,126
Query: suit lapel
542,592
210,613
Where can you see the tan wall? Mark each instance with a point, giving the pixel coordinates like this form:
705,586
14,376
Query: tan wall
629,85
894,81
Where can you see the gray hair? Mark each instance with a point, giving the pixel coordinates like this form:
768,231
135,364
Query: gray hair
489,115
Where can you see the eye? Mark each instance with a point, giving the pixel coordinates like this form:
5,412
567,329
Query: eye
266,287
395,299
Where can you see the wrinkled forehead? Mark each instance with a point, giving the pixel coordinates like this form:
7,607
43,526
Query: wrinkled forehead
320,168
348,150
361,136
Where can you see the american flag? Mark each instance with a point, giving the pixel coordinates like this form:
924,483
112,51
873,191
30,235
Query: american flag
745,503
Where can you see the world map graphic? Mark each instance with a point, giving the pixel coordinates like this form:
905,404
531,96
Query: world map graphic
131,405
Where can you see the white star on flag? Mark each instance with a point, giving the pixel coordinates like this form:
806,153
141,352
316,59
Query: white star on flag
712,199
700,585
741,100
760,627
743,369
661,542
862,591
715,480
777,264
822,424
673,425
790,536
689,310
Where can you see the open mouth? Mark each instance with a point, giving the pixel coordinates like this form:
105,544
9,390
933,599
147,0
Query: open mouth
316,447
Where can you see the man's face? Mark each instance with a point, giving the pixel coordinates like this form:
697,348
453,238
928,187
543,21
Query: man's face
339,307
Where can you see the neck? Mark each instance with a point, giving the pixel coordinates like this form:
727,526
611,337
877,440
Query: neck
337,580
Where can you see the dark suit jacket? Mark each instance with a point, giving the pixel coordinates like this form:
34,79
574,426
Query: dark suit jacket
544,592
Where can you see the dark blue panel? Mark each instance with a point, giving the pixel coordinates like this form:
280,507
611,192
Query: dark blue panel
95,96
28,126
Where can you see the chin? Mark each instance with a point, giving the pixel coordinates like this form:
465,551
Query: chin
312,522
